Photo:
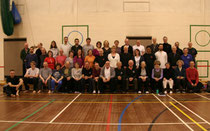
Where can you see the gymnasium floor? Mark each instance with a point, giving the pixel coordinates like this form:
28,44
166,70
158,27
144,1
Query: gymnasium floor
105,112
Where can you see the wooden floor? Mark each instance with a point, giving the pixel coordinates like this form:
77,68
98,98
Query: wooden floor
105,112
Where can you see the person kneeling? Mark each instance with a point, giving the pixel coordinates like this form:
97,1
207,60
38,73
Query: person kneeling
14,84
168,75
192,77
107,77
143,78
57,77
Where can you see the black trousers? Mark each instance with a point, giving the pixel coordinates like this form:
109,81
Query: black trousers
180,84
77,85
67,85
96,85
143,85
33,81
120,84
157,85
134,82
109,83
90,83
40,85
11,90
195,89
24,68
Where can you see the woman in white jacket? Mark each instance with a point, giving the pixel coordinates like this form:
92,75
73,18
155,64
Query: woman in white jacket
113,57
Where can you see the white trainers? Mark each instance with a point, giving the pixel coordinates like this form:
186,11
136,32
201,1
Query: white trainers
171,92
147,92
139,92
165,92
94,92
98,92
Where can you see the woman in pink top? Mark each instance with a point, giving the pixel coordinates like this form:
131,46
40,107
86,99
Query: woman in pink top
98,47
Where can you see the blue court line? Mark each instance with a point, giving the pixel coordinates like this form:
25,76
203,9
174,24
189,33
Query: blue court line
123,112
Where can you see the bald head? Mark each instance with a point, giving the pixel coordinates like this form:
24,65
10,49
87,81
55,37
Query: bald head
26,45
126,41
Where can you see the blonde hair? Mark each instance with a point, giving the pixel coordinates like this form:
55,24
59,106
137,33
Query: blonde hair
180,61
106,42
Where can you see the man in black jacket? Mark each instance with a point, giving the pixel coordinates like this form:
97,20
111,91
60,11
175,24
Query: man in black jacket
166,45
76,47
125,57
101,59
131,75
173,57
130,48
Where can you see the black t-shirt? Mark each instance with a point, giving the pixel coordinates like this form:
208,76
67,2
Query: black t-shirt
14,81
86,72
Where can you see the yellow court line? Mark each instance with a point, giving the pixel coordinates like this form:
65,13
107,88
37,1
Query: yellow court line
188,116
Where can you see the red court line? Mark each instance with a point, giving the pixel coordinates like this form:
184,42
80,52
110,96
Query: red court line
109,115
203,66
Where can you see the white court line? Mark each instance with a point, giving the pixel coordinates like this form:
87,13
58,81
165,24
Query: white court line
174,113
203,96
102,124
65,108
189,110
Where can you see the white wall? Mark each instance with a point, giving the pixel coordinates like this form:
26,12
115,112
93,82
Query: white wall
109,19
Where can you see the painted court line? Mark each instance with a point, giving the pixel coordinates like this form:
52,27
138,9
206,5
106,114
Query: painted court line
188,117
109,114
189,110
21,121
174,113
65,108
203,96
101,124
123,112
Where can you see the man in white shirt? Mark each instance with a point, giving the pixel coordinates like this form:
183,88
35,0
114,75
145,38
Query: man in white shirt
107,77
31,77
139,47
66,47
161,56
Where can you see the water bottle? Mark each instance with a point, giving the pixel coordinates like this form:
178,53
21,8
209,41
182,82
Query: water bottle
157,91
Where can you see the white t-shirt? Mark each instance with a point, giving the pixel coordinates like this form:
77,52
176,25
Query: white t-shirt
114,60
140,48
107,72
32,72
66,48
162,57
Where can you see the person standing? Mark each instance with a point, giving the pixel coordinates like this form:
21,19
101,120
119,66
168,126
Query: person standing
139,47
66,47
31,57
42,57
61,58
173,57
118,49
87,46
101,59
106,48
76,47
113,57
149,58
54,49
161,56
130,48
98,47
38,53
24,52
166,45
186,57
154,45
192,50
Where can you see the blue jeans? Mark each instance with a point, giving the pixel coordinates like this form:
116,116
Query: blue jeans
53,85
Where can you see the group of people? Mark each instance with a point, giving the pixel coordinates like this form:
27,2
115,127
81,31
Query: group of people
160,68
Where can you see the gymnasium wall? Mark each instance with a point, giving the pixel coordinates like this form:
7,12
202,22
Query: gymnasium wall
42,21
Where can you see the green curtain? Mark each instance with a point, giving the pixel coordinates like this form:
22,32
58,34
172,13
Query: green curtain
6,17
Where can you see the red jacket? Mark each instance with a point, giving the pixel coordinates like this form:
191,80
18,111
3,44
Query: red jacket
51,62
192,74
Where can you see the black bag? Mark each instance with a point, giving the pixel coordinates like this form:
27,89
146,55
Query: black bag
208,87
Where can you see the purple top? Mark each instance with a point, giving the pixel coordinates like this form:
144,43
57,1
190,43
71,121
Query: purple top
161,75
95,52
79,60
